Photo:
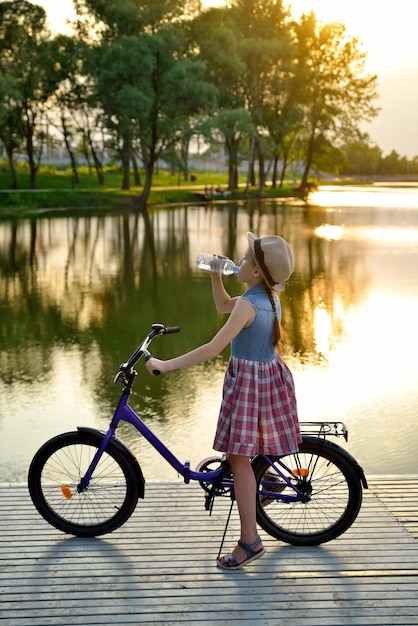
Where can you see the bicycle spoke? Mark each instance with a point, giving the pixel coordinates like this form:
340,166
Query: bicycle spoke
331,491
106,502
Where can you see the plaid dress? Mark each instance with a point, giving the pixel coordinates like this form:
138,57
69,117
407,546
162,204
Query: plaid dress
259,411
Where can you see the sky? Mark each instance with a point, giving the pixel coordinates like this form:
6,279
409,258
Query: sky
388,33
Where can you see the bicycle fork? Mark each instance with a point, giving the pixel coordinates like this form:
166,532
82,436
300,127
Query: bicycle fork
84,482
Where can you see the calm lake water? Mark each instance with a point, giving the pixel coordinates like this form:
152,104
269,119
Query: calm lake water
78,293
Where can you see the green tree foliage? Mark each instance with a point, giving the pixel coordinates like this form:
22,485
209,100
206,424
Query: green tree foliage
233,126
245,46
337,95
11,130
156,86
360,157
264,48
25,62
142,77
215,39
154,90
68,54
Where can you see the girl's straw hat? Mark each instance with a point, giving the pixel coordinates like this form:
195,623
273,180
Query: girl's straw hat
273,257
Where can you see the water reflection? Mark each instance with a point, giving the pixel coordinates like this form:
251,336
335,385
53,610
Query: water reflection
78,292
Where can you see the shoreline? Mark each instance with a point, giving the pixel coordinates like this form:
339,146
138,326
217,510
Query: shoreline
27,202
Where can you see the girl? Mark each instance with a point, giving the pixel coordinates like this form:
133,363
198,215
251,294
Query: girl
258,412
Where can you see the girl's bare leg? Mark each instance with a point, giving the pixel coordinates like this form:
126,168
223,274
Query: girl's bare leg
245,493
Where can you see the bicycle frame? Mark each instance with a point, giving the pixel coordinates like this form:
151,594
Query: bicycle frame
124,413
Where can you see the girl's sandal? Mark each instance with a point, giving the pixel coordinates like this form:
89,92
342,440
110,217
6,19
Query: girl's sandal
230,562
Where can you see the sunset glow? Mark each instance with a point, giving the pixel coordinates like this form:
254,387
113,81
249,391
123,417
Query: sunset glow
375,24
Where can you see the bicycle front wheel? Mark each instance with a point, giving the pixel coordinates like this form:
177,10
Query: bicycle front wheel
106,503
320,471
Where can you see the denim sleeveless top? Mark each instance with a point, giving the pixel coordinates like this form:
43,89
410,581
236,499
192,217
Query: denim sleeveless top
255,342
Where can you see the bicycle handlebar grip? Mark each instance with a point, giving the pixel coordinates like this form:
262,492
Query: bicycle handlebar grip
147,358
172,329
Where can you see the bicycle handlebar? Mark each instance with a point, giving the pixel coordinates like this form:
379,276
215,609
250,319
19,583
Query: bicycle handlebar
169,330
157,329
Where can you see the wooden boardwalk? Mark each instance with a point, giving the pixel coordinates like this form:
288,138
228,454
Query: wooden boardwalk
160,567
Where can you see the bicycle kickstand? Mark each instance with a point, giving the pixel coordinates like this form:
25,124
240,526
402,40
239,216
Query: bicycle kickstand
227,524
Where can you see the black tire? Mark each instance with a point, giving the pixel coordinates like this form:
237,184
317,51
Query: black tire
107,502
335,495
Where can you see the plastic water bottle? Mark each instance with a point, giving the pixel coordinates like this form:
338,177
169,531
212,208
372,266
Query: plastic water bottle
213,263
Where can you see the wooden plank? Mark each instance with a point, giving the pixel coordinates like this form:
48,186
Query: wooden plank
160,567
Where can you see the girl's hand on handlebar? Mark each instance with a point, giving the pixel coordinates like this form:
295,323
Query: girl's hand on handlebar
155,366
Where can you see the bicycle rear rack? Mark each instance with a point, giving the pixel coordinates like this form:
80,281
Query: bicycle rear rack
324,429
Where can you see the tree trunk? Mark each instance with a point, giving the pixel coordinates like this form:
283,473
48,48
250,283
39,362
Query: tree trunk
250,174
231,147
308,163
33,167
261,170
148,161
143,198
232,177
76,178
9,151
274,172
184,154
126,161
86,152
284,168
97,162
137,178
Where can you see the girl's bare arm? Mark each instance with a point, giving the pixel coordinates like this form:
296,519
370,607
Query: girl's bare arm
223,301
243,312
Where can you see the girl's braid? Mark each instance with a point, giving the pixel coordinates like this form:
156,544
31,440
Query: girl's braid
277,329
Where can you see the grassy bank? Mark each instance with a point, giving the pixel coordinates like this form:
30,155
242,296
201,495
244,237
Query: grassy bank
56,189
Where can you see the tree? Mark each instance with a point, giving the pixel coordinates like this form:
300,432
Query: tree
11,132
125,64
394,164
337,94
264,47
234,125
24,55
66,72
243,46
361,158
178,92
282,113
155,85
214,39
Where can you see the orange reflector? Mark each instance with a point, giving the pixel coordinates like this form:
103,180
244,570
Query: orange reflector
66,492
301,472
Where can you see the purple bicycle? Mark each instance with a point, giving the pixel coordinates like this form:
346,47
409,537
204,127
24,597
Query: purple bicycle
87,483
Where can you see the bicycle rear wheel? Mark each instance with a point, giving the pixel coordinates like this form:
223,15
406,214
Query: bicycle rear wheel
320,471
106,503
